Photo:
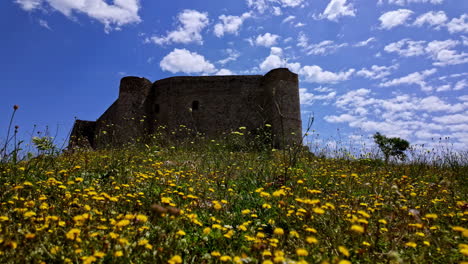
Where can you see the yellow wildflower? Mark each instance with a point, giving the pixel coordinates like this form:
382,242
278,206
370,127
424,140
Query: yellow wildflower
278,231
343,251
411,244
175,260
301,252
357,228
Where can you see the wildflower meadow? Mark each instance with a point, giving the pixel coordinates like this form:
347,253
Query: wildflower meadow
207,202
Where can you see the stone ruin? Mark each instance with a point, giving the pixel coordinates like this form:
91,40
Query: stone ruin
209,105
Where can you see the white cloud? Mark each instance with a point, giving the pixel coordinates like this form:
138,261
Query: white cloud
406,47
441,52
260,5
309,98
377,72
340,119
315,74
417,78
182,60
230,24
323,48
365,42
276,60
224,72
287,19
458,24
402,115
460,85
232,56
277,11
266,5
465,41
29,5
434,19
405,2
299,24
291,3
266,40
44,24
452,119
113,16
395,18
191,23
443,88
338,8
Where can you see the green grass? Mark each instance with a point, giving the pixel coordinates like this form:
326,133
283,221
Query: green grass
206,203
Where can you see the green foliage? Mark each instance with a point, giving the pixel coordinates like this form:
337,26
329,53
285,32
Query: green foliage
44,145
391,147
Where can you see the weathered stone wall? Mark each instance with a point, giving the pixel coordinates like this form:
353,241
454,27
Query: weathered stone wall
211,105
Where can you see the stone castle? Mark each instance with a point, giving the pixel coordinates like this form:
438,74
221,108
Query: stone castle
210,105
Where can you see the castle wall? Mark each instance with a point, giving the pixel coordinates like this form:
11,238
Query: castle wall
211,105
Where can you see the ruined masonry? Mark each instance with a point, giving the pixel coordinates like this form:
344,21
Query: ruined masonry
211,105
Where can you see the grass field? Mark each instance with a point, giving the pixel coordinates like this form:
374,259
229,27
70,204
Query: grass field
207,203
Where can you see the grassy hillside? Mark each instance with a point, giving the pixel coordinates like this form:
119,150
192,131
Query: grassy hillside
212,203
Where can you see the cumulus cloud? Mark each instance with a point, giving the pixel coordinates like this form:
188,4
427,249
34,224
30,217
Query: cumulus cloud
417,78
322,48
458,24
395,18
266,5
442,52
460,85
266,40
338,8
230,24
232,56
307,98
182,60
377,72
260,5
402,115
113,16
276,60
224,72
291,3
452,119
191,24
433,19
406,2
406,47
315,74
29,5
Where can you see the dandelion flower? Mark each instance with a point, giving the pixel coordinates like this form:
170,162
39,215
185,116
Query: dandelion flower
301,252
343,251
278,231
225,258
311,240
357,228
411,244
175,260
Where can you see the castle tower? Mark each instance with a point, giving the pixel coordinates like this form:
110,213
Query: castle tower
283,106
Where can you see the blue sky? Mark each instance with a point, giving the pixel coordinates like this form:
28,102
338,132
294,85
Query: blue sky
394,66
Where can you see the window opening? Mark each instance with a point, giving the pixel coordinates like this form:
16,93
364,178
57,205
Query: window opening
195,105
